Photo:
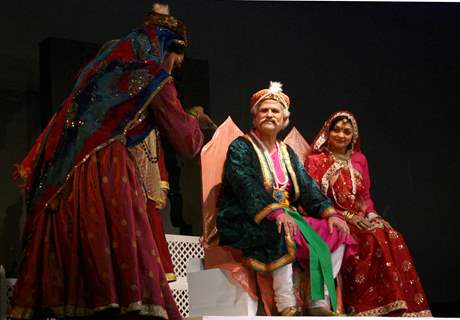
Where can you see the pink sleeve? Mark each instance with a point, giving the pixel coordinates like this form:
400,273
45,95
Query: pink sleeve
361,161
311,166
180,128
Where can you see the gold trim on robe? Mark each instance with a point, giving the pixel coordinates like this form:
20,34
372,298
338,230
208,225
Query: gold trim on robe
284,260
267,210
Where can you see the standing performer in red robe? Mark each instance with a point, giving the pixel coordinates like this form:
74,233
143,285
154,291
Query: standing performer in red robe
89,248
381,279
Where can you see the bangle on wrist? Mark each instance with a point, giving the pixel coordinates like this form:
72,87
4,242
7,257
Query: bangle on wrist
348,215
329,212
372,215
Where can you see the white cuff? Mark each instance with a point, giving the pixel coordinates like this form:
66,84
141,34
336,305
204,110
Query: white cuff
372,215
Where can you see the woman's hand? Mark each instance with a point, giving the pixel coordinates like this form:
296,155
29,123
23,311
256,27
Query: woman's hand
361,223
379,222
339,224
286,221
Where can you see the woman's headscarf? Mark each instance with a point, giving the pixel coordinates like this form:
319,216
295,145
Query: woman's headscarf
321,139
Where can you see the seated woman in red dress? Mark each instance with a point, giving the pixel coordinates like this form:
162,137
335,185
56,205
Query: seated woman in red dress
381,279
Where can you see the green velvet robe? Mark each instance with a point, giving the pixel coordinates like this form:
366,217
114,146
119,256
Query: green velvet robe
246,200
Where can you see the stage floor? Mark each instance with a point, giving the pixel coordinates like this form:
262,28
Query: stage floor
297,318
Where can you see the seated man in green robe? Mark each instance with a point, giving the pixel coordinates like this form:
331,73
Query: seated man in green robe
264,188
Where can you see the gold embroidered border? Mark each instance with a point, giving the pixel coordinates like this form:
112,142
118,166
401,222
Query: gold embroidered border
267,210
120,138
19,313
266,174
146,309
396,305
139,113
170,277
164,185
284,260
328,212
75,311
290,168
424,313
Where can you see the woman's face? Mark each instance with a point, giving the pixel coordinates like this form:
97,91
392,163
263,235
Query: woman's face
340,136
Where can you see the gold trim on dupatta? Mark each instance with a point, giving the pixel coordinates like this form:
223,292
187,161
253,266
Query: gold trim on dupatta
424,313
395,305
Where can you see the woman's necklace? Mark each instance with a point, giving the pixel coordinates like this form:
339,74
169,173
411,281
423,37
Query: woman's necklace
344,161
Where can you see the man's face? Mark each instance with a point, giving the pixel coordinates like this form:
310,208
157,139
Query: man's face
269,118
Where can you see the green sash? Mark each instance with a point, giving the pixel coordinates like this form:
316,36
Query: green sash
320,261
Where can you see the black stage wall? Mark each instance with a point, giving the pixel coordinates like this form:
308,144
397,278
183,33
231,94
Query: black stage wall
395,65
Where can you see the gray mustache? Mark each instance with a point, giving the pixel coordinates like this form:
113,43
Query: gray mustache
270,120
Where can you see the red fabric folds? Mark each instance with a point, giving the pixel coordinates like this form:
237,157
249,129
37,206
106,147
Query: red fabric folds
94,249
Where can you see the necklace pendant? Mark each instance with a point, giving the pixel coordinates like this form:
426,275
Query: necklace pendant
280,196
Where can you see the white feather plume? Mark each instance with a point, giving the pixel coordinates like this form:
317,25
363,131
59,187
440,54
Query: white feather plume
275,87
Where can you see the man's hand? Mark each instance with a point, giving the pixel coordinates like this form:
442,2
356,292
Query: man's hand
286,221
340,224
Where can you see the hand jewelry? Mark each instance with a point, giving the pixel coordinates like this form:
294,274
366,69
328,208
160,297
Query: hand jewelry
348,215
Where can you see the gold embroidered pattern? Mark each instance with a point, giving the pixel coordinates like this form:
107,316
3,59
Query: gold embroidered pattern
418,298
287,161
75,311
137,81
284,260
146,155
141,111
393,234
424,313
267,210
396,305
170,277
266,174
406,265
164,185
360,278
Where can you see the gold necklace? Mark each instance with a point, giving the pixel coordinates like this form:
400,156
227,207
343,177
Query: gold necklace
280,194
